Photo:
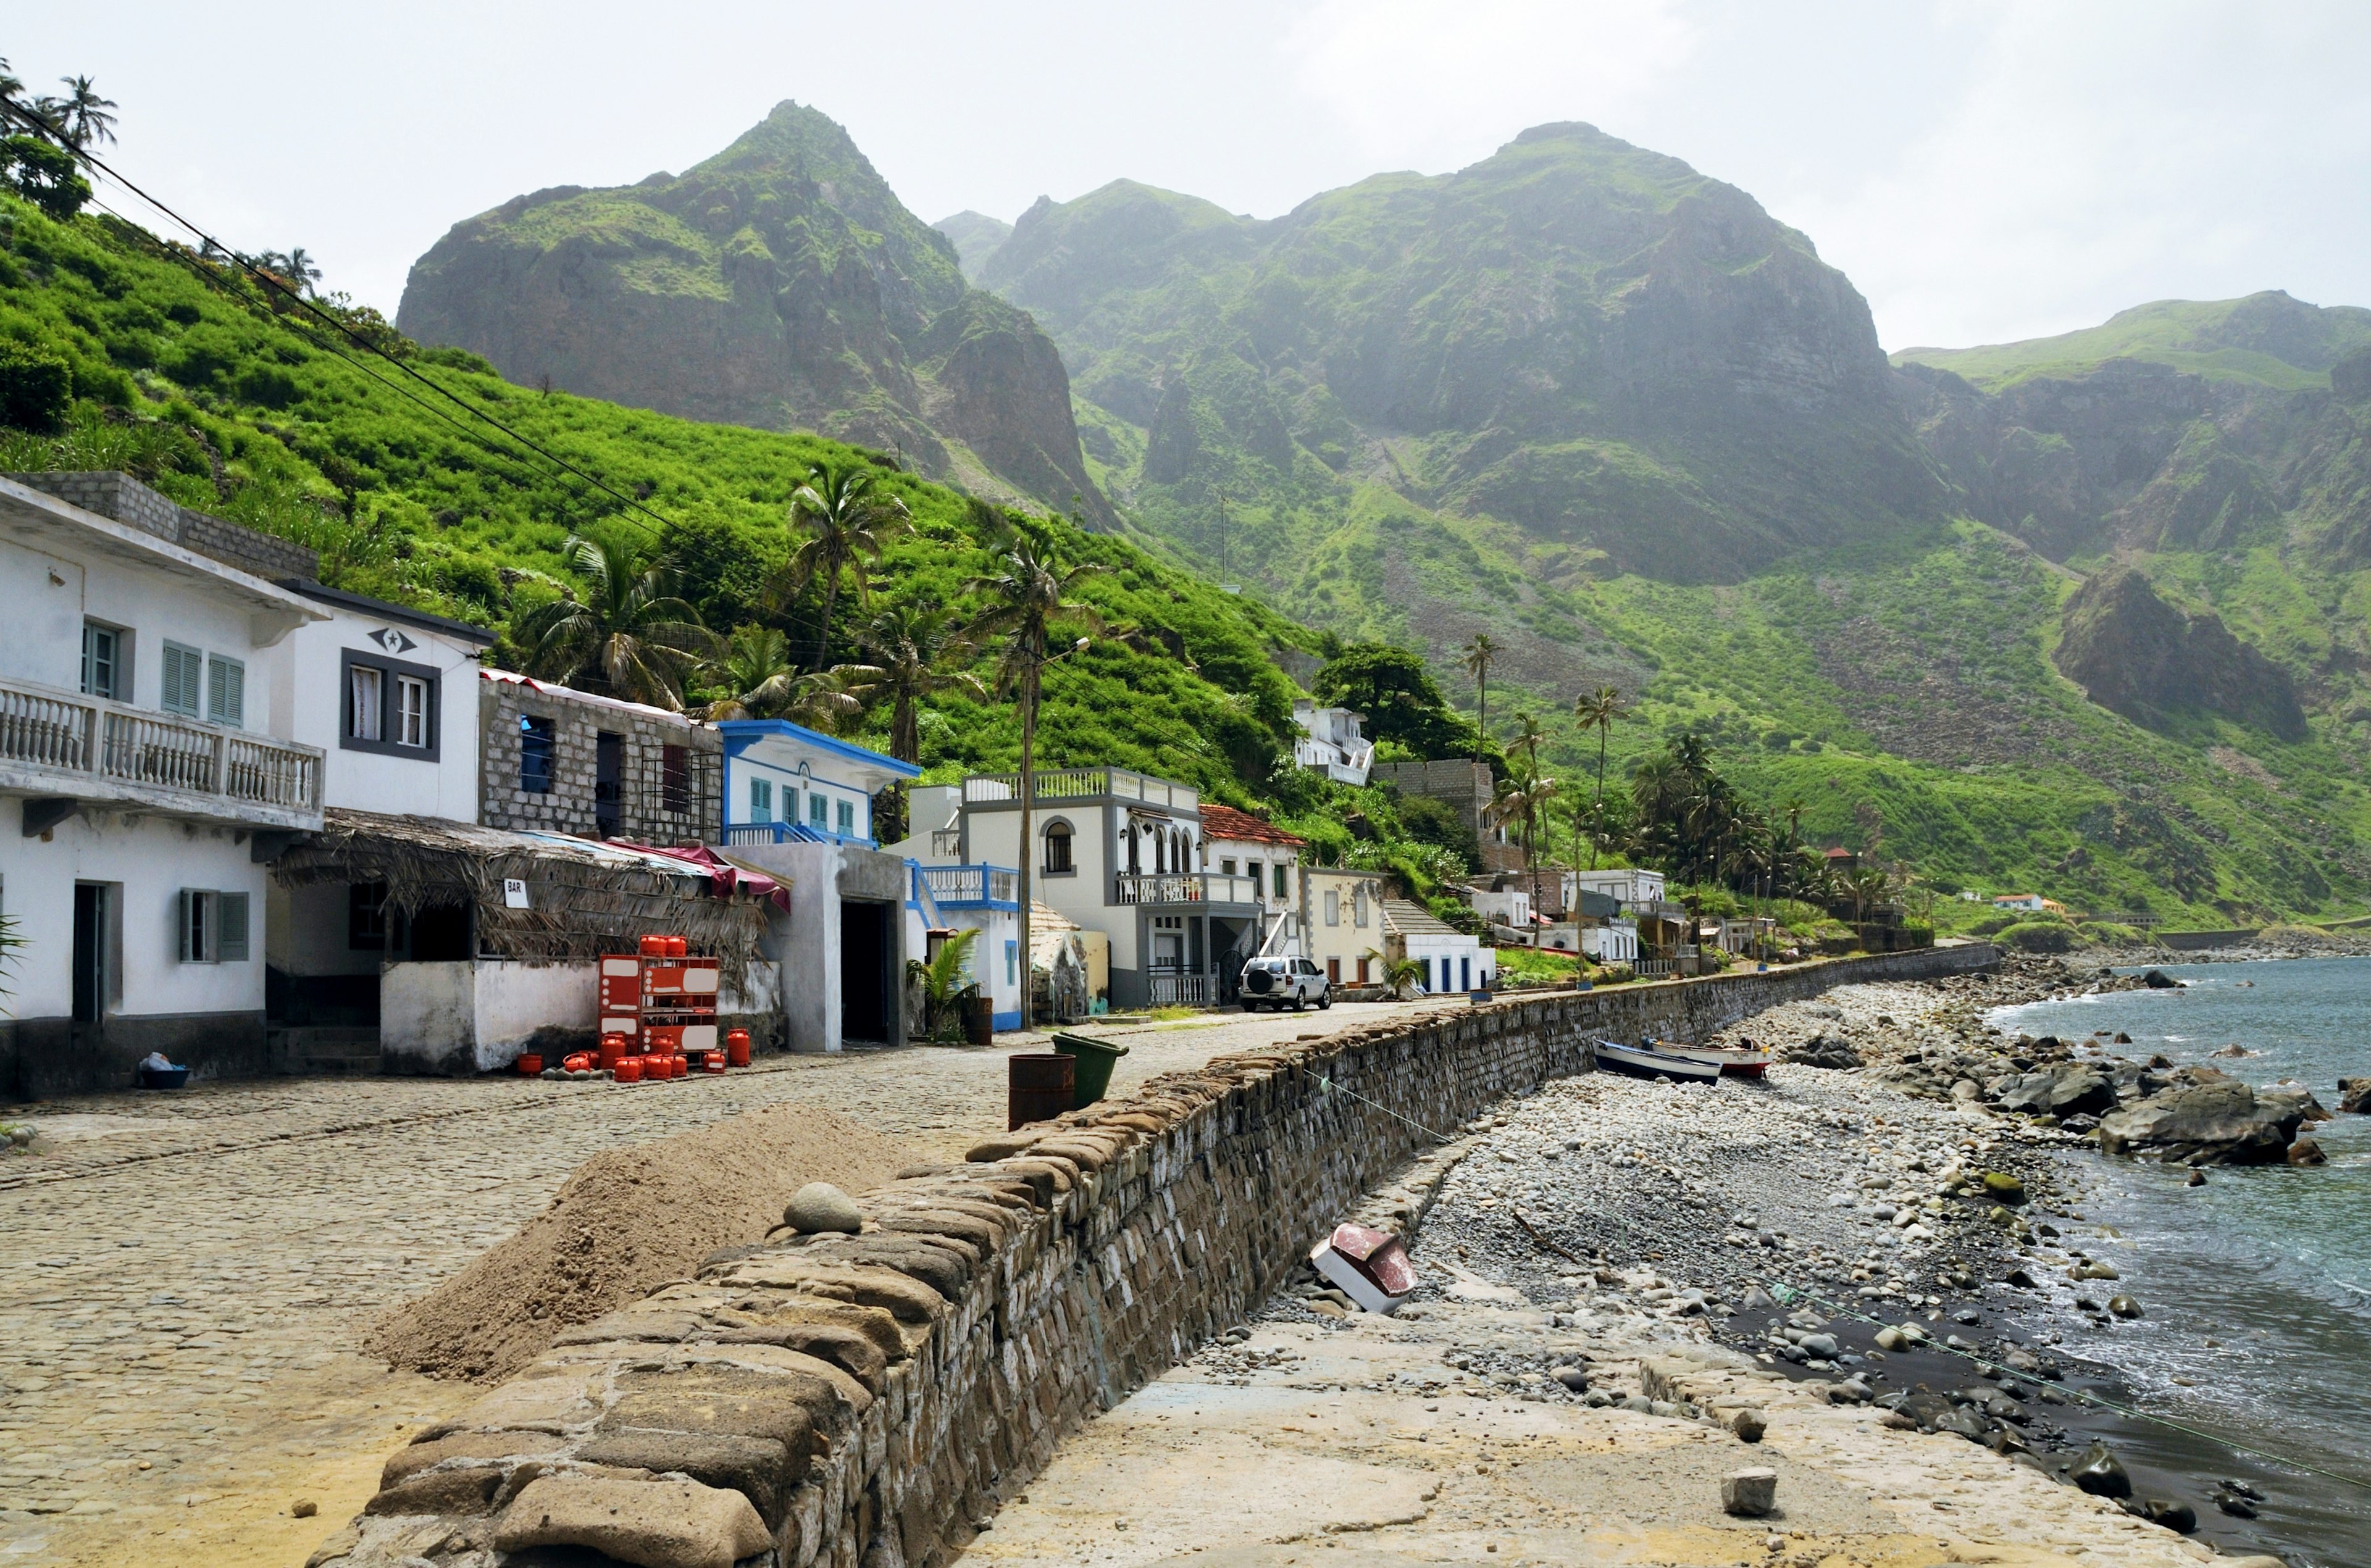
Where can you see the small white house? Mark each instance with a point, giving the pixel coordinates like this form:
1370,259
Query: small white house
1330,742
1451,960
143,749
1503,906
1629,886
784,783
948,899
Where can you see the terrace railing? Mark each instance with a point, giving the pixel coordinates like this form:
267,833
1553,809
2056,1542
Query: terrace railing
93,748
1186,887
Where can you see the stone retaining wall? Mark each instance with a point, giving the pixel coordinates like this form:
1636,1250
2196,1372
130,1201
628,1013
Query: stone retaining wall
867,1402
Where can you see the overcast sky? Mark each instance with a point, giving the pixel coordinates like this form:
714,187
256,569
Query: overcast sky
1983,171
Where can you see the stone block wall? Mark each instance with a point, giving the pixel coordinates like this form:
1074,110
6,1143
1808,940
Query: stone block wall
869,1402
577,725
128,500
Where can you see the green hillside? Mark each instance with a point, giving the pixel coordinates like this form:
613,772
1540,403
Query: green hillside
184,375
1607,412
2265,339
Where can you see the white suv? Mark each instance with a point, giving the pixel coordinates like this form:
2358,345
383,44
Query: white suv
1281,983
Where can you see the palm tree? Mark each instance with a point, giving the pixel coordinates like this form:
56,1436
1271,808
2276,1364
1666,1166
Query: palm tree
754,670
1598,710
908,648
300,268
1028,602
1477,657
847,522
1525,801
942,982
632,634
81,116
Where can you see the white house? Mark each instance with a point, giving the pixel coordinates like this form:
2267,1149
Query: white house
1330,742
1340,923
1629,886
1451,960
1120,853
145,743
1505,906
1237,843
949,899
784,782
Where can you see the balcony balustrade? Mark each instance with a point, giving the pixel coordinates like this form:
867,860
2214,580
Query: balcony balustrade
1186,887
63,744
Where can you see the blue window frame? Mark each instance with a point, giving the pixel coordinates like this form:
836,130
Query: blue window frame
818,813
1465,973
761,800
1012,963
848,819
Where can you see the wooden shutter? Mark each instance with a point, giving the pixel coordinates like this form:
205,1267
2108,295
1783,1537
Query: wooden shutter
230,928
197,937
225,690
183,675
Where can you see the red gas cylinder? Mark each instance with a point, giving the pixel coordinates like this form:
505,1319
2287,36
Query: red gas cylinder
628,1069
676,947
529,1066
737,1047
714,1062
655,947
613,1051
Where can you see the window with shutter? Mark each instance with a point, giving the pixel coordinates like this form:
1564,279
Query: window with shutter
761,800
184,670
197,925
102,662
230,928
226,691
848,819
818,811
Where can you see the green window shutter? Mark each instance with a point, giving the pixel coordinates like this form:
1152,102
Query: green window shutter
197,922
230,928
184,670
225,690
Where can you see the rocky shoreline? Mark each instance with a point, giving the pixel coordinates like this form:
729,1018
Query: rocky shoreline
1890,1220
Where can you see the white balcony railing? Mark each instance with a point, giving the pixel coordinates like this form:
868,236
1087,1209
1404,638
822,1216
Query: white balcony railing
968,885
1181,990
1188,887
1080,784
946,841
93,748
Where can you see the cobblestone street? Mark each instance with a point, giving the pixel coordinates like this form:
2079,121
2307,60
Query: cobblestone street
181,1274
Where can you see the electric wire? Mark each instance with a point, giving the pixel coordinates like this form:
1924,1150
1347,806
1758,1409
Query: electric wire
1784,1290
272,282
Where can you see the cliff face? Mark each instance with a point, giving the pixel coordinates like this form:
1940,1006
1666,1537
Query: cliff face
780,284
1576,334
2140,656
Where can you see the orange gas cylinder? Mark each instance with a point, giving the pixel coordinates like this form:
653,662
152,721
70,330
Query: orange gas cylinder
613,1050
737,1047
529,1066
714,1062
676,947
579,1061
655,947
628,1071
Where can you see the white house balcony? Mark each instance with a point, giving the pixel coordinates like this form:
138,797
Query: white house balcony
972,887
62,747
1081,784
1188,887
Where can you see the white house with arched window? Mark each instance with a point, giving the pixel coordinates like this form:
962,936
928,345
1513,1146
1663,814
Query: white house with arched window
786,783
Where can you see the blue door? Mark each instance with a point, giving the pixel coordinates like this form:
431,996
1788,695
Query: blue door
1465,973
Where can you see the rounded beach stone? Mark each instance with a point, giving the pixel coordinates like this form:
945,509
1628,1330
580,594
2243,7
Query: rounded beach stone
819,1206
1748,1493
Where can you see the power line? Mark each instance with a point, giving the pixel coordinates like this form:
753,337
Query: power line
271,282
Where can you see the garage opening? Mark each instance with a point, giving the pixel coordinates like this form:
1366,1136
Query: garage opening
866,955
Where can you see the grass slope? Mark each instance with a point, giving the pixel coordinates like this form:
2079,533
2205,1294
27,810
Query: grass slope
2267,339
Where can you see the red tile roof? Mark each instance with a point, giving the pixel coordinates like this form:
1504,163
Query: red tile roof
1225,821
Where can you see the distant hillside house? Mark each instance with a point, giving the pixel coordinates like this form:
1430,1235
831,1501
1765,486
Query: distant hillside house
2031,901
1331,742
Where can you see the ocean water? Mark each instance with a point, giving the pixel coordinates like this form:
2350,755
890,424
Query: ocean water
2255,1286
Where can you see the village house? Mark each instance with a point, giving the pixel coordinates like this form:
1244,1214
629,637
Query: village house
1447,959
2031,902
1120,853
1467,788
1330,742
1341,922
1236,843
145,745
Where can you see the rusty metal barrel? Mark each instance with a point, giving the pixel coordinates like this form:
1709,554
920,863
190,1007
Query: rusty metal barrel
1039,1087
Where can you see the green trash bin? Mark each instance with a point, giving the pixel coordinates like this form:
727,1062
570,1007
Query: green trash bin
1095,1059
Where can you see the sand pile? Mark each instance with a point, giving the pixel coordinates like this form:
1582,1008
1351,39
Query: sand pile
624,1222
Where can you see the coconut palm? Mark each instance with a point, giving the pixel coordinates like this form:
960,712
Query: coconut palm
1597,709
845,522
632,634
299,268
1525,801
81,116
1028,604
1477,657
755,672
908,648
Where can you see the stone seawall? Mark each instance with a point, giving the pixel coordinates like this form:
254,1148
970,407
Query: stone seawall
869,1402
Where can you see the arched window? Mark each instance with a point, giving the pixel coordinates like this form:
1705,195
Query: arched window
1058,848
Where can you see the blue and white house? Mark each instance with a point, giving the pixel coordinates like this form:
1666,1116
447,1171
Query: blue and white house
943,900
785,783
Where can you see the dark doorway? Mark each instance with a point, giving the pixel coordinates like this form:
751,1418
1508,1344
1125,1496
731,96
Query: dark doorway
608,773
440,933
89,952
866,952
1233,942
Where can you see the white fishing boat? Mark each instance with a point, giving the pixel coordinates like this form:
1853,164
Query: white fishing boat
1737,1061
1644,1061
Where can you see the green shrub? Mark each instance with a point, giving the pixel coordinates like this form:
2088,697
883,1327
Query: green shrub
35,389
2112,933
2040,936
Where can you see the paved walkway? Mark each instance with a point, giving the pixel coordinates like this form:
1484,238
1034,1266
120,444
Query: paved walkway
181,1276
